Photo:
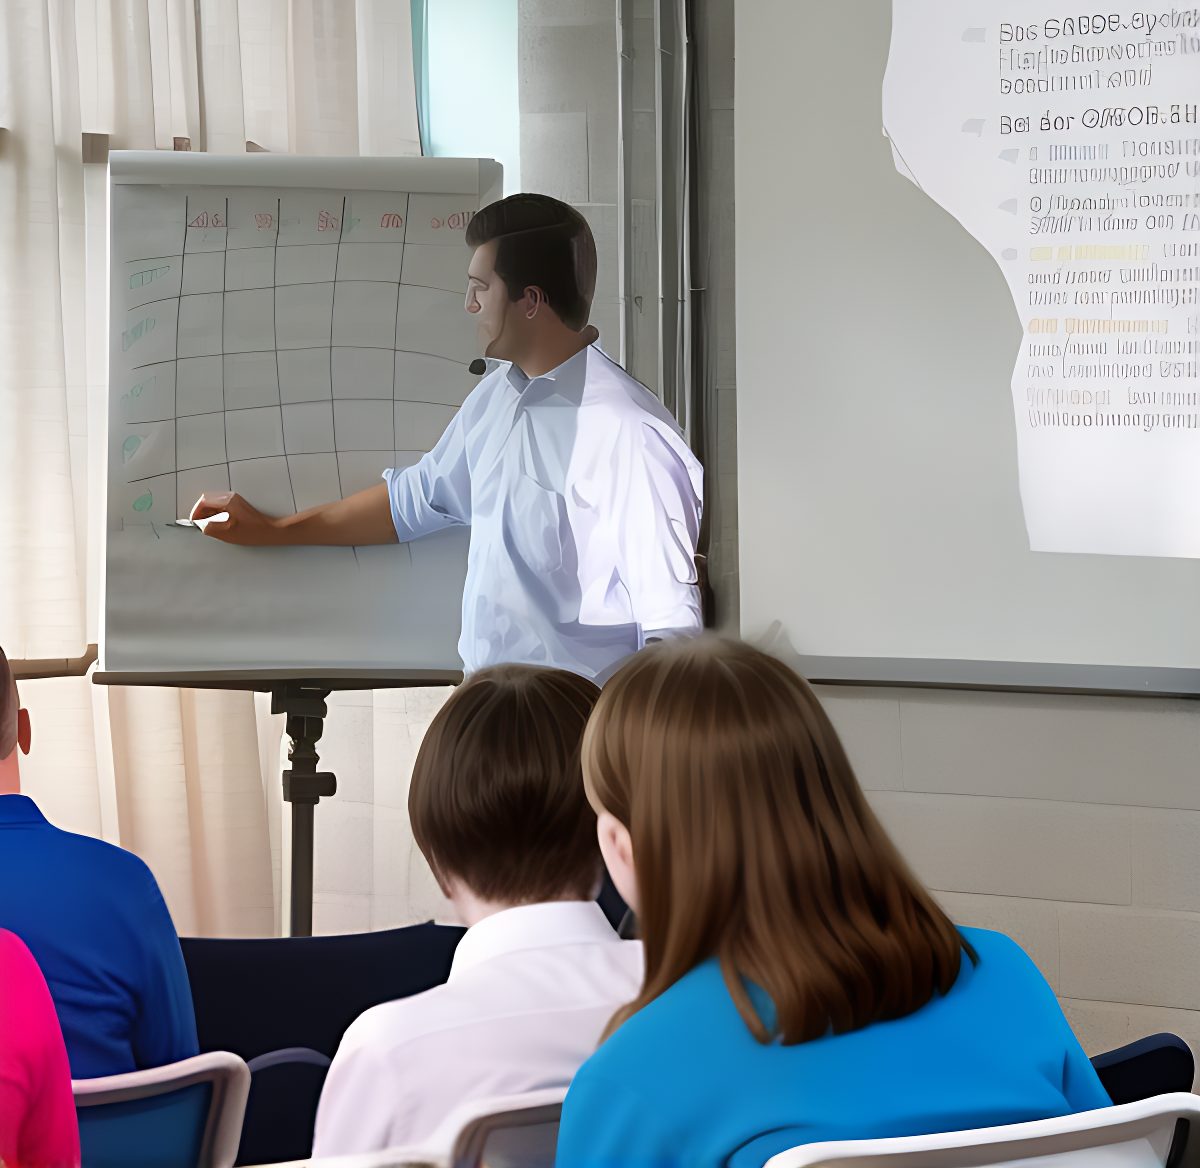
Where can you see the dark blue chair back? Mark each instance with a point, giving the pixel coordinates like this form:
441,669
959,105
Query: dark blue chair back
1155,1065
256,997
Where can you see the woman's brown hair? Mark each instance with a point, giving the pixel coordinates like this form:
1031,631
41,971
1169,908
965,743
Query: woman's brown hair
496,798
753,844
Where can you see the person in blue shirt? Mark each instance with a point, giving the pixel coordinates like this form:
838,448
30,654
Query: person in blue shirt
95,921
800,984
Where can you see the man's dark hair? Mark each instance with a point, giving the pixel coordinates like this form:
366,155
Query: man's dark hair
10,703
542,243
497,799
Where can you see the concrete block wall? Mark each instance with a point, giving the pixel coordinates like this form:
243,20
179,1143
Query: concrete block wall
368,872
1070,823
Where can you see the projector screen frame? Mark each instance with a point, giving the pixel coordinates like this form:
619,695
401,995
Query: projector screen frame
1001,676
830,531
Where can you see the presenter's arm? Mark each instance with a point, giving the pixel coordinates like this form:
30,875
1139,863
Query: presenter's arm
355,521
413,501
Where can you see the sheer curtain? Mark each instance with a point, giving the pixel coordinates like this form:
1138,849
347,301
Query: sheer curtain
187,779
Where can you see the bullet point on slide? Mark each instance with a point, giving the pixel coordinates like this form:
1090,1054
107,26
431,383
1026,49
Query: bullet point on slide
974,126
1009,253
975,36
1010,155
1009,205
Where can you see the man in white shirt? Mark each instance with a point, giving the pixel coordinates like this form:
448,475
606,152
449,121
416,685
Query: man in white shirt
498,808
582,496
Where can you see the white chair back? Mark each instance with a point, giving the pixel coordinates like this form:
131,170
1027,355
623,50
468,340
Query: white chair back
505,1131
508,1131
229,1078
1145,1134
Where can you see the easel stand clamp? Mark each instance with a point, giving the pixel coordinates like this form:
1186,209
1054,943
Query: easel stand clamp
303,787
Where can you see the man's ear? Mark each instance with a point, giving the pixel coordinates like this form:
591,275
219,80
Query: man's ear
24,731
533,299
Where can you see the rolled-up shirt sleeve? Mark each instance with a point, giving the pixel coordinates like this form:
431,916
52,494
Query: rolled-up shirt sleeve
435,492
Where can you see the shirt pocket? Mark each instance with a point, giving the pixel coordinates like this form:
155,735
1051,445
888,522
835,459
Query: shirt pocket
538,532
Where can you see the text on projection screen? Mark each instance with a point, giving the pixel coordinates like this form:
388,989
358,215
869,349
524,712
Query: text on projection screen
1069,146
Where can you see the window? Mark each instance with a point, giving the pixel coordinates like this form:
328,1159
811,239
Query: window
466,66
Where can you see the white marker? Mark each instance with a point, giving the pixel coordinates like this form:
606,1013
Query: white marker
200,524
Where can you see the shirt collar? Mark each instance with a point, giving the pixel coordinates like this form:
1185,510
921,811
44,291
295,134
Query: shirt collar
532,926
575,365
19,809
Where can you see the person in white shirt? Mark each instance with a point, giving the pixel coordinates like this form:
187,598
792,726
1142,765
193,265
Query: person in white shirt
498,808
583,498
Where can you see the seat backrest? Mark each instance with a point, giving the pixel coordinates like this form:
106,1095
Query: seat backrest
261,995
184,1115
285,1088
529,1143
1153,1065
255,997
507,1131
1146,1134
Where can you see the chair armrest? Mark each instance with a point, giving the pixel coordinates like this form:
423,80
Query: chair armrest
200,1068
289,1056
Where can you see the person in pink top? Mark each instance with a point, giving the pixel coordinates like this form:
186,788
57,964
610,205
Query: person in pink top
38,1128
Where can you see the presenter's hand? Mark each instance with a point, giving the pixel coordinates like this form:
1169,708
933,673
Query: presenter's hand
246,525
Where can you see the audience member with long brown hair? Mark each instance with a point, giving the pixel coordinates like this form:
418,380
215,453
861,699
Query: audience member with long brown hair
800,983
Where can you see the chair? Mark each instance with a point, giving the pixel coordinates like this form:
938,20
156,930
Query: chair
184,1115
1154,1065
506,1131
1152,1133
283,1004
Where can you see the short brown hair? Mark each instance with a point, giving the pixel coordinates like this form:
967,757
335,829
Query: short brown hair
753,843
497,799
541,243
10,703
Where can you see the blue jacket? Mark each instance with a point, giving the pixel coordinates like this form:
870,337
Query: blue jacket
94,919
684,1084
